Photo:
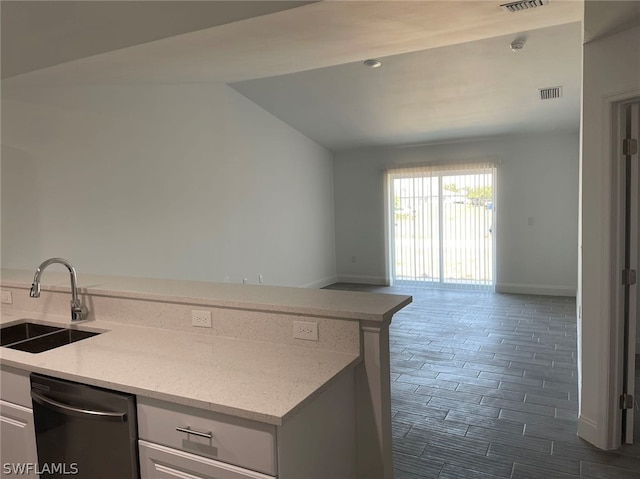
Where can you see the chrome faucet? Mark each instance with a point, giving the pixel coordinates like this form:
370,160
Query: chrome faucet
78,311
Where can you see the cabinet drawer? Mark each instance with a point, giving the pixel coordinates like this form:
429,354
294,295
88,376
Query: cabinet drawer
15,386
161,462
233,440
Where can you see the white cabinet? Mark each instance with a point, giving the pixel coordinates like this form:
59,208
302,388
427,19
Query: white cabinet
17,438
317,442
161,462
17,435
222,446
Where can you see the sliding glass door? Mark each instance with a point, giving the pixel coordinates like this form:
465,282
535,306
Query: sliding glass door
442,225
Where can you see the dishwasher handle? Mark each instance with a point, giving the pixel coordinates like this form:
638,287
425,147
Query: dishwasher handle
75,411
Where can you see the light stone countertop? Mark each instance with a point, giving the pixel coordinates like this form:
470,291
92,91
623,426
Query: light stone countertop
255,380
304,301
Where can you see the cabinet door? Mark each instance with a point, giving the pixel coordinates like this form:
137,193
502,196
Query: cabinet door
161,462
17,441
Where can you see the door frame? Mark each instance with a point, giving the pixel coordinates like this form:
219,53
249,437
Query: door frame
618,194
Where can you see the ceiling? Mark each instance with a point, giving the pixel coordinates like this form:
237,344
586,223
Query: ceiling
39,34
610,16
473,89
448,72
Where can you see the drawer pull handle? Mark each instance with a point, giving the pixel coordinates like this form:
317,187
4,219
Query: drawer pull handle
188,430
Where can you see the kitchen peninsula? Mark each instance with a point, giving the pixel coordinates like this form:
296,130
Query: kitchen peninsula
321,407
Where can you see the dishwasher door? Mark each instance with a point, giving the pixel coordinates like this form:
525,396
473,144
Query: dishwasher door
84,431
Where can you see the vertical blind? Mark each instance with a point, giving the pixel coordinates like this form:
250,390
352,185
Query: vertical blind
442,224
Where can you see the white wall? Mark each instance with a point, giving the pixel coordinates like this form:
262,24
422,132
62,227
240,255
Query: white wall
184,182
611,72
537,177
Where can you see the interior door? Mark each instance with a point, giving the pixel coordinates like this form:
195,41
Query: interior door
631,133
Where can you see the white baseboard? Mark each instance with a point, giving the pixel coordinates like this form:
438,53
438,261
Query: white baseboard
321,283
588,430
352,278
537,289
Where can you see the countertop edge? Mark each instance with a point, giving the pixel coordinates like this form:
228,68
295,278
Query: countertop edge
384,313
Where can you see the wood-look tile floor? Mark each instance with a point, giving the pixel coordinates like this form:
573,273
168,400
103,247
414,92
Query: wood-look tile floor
484,386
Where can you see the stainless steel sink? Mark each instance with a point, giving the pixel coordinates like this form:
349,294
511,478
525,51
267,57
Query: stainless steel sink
36,338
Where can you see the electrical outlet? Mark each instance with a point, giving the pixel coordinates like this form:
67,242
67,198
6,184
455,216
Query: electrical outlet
201,319
6,297
305,330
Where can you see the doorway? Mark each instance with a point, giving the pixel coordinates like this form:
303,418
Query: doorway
442,225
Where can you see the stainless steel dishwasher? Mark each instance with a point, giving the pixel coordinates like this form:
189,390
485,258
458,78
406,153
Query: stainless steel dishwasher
84,431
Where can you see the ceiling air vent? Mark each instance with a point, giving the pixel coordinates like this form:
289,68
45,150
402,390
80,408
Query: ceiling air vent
523,5
550,93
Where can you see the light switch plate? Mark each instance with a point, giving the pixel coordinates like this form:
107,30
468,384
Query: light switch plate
6,297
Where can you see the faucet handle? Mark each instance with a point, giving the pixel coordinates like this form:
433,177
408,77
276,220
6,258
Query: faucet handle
79,312
35,290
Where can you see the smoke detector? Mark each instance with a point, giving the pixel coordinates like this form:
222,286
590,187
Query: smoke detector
523,5
517,45
550,93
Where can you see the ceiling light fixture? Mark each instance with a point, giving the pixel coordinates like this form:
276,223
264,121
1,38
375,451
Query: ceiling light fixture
372,63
